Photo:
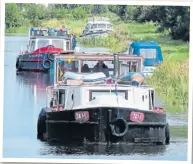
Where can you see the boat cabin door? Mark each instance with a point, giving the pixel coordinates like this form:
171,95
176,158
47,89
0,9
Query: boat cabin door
31,46
151,99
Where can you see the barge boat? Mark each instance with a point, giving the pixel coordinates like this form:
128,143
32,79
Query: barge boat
97,27
43,44
96,105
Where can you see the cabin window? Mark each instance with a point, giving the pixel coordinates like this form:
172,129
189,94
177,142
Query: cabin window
97,93
148,53
67,46
131,50
32,46
65,66
87,27
61,97
133,66
143,98
97,66
109,26
124,69
43,43
94,26
151,99
58,43
101,25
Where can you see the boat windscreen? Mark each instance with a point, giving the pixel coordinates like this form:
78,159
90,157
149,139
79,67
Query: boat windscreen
148,53
94,66
42,43
98,93
102,25
58,43
109,26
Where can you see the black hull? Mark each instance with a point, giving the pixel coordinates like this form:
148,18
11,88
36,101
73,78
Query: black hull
105,125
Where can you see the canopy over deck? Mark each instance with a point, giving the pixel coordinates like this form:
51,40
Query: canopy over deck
96,56
143,44
46,31
115,64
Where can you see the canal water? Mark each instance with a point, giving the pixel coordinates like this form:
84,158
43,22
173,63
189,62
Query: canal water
24,96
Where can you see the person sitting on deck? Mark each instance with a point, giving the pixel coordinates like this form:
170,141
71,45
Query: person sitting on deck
101,67
73,42
85,68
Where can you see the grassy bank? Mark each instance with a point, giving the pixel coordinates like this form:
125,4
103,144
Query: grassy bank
17,31
171,82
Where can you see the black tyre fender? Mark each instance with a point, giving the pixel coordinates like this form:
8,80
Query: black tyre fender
118,121
46,61
51,56
41,124
18,64
167,134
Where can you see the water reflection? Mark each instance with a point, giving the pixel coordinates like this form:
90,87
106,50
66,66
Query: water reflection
122,149
38,79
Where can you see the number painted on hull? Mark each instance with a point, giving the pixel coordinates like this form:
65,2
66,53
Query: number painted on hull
137,116
82,116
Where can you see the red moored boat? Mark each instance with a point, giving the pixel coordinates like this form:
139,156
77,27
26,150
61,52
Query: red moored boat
43,44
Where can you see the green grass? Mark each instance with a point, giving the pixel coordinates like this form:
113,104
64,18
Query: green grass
171,82
17,31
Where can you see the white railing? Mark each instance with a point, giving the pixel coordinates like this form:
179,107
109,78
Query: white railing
97,19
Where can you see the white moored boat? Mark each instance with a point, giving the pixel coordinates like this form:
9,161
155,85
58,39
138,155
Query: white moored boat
97,26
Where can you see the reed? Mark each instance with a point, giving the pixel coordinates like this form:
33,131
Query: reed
170,80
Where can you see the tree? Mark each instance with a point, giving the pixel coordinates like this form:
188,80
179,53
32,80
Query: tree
12,15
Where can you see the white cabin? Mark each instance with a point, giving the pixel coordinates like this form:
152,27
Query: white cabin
74,89
97,24
43,37
103,95
58,42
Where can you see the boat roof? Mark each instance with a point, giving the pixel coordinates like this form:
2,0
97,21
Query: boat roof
150,44
76,83
95,56
50,37
49,32
98,22
98,19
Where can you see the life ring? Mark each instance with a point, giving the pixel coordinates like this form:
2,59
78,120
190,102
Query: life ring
51,56
118,122
47,64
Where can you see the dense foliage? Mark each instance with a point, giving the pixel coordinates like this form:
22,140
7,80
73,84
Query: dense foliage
173,19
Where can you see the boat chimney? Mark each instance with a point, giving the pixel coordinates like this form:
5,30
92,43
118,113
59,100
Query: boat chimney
116,65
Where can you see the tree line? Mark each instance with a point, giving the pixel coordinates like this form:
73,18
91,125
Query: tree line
173,19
